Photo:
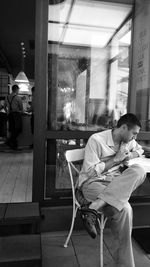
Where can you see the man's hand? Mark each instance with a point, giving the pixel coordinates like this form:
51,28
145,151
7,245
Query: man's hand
123,154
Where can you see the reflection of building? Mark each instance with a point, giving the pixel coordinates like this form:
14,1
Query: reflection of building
80,100
85,87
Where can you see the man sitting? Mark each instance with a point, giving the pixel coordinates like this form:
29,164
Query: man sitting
107,187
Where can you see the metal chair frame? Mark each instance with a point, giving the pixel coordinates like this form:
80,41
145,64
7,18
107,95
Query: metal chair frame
73,156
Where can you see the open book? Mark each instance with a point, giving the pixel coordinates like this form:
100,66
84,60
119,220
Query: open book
144,162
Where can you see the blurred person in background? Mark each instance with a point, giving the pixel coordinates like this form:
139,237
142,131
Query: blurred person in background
3,121
14,108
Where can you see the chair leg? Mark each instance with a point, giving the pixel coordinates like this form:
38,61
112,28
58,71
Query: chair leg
72,225
101,222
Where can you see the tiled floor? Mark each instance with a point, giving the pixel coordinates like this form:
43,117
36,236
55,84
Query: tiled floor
83,251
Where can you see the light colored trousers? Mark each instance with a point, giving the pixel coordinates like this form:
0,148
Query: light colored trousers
117,194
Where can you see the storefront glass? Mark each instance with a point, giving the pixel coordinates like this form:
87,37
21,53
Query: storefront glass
88,78
57,169
88,71
88,64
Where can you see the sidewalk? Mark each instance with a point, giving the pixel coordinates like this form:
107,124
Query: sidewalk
83,251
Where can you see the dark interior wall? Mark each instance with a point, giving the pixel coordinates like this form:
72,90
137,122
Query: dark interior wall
17,24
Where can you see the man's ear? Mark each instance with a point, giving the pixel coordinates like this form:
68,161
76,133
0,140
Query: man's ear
124,127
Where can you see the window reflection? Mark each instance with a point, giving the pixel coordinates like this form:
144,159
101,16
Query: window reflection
57,174
88,73
119,72
62,174
88,77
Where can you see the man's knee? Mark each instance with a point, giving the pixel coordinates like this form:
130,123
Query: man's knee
127,209
128,215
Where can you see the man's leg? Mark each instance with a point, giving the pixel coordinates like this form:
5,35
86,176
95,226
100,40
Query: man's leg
90,191
11,129
116,194
14,137
120,223
121,226
17,128
119,190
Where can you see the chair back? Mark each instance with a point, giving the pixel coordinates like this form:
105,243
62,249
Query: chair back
73,156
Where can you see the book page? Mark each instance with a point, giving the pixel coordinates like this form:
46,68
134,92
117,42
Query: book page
144,162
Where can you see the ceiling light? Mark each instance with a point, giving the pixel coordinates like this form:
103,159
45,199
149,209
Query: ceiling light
21,78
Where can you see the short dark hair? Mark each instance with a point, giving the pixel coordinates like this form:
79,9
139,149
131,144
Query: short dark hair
130,120
15,87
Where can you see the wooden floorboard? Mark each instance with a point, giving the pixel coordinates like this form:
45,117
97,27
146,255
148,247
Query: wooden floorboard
5,164
29,182
7,188
19,193
16,177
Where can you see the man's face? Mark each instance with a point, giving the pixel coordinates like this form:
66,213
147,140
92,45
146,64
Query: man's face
130,134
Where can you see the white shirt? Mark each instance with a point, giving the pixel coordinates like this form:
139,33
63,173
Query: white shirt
99,146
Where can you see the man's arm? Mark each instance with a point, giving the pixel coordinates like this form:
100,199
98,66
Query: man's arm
116,159
123,155
94,164
135,150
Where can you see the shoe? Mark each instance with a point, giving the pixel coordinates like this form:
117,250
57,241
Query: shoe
89,218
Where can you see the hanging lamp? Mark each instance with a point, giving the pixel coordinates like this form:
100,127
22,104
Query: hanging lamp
21,77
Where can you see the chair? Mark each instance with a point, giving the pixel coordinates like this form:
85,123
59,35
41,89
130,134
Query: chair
72,157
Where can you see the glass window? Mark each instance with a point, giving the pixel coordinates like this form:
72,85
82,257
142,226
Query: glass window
57,174
119,72
88,64
88,70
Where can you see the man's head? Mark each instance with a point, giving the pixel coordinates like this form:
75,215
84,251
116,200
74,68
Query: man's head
15,88
129,127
